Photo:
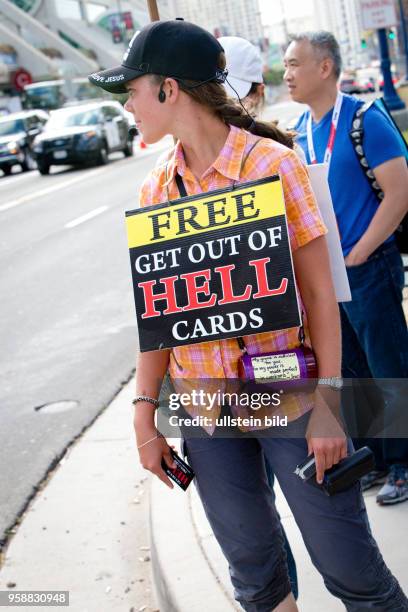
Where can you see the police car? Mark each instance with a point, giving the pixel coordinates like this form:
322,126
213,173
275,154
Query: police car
84,134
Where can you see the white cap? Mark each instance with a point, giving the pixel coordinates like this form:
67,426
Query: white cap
244,65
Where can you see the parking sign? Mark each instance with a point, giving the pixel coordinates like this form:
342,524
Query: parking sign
378,14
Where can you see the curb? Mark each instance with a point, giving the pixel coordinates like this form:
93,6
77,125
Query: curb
183,578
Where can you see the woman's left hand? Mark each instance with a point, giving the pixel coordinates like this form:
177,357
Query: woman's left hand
325,435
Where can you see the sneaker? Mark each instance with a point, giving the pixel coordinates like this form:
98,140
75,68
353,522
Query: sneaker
395,489
373,478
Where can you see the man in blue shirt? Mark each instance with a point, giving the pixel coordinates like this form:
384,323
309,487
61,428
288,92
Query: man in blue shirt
374,331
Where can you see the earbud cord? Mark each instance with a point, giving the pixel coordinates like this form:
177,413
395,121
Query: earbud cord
233,89
242,106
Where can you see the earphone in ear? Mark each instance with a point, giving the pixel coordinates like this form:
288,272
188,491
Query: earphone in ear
162,95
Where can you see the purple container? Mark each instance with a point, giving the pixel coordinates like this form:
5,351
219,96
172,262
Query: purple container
292,370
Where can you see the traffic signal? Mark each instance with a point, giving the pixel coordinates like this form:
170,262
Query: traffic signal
391,34
116,35
363,43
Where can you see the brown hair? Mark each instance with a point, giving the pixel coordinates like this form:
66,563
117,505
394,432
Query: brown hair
214,97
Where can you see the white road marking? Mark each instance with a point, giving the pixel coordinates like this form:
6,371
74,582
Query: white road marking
10,180
43,192
83,218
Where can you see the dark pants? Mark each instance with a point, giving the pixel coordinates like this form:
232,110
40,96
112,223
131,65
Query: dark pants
290,559
233,487
375,338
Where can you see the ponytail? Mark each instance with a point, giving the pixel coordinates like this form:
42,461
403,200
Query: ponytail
232,113
214,97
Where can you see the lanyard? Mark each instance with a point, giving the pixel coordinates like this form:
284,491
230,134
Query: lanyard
332,135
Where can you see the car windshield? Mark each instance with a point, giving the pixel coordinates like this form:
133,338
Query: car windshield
11,127
71,119
43,96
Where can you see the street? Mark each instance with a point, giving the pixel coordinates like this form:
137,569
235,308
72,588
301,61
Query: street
67,322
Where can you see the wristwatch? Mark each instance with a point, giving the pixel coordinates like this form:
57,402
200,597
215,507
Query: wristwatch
335,382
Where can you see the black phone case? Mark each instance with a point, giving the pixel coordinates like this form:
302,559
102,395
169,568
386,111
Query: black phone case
341,476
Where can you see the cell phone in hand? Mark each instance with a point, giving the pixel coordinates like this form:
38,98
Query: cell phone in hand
341,476
182,474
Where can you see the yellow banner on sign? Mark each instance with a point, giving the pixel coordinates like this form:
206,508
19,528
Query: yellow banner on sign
211,212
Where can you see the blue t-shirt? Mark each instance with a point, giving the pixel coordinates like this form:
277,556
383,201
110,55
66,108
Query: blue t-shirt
354,201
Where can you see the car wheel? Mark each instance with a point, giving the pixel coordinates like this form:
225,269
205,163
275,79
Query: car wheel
43,168
6,170
128,150
103,155
28,162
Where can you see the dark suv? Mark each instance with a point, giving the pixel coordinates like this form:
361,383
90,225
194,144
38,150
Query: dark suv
84,134
17,133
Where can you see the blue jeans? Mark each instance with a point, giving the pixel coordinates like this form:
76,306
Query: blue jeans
233,487
374,332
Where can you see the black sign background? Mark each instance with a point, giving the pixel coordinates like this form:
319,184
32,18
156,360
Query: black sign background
277,311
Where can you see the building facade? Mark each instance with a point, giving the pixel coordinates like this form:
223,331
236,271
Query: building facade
343,18
223,17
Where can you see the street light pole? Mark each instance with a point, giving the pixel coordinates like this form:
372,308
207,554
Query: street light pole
83,11
405,37
392,99
284,22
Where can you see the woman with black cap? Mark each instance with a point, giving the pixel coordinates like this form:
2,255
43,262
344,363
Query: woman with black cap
173,72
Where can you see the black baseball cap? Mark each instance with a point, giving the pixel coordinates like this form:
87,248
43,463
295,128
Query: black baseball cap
176,48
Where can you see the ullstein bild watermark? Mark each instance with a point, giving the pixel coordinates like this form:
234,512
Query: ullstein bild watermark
34,598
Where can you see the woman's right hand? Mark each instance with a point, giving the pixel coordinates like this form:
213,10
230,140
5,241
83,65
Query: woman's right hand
152,454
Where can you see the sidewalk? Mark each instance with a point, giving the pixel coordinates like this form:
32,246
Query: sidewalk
87,531
83,534
186,550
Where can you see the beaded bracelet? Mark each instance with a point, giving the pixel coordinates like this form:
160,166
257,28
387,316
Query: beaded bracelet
145,398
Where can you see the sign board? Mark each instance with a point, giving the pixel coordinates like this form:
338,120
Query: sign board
21,78
212,266
378,14
319,175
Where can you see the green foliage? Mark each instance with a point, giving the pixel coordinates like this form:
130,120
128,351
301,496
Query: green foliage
274,76
120,97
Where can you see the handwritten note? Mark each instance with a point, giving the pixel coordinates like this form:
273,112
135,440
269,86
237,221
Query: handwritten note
276,367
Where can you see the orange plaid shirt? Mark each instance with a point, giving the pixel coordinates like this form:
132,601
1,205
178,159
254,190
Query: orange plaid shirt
219,359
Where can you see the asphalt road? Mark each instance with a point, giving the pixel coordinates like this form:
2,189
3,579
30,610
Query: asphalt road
67,323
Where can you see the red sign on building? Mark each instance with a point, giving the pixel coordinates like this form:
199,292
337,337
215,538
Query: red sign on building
21,77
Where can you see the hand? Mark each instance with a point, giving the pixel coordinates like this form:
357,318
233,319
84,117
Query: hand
325,435
356,256
151,454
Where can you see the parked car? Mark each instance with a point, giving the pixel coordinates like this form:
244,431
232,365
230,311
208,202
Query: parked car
17,134
350,85
84,134
367,85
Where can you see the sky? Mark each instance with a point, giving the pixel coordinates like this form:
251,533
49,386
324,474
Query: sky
272,12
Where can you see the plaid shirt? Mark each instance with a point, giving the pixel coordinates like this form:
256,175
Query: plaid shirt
219,359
